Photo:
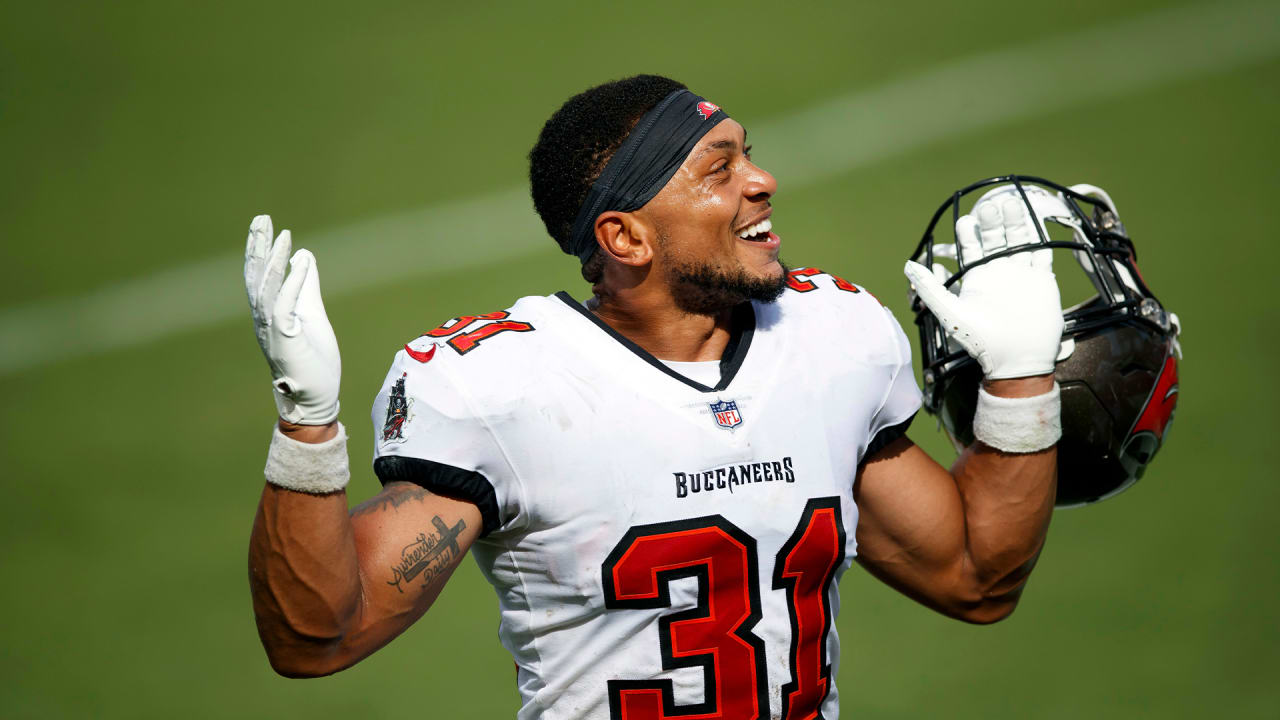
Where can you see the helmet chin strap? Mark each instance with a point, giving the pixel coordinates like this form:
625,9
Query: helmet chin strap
1095,191
1122,273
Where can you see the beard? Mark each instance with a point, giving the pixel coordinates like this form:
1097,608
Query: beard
706,289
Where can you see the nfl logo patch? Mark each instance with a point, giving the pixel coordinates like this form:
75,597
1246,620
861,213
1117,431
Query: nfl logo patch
726,414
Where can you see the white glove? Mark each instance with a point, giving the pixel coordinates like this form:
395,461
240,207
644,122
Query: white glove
1008,315
292,328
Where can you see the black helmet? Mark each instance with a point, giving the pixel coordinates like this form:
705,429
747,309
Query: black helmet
1118,364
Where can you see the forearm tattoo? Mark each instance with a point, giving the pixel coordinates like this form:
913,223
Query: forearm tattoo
429,555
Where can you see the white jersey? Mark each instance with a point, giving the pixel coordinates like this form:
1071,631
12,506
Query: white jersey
659,547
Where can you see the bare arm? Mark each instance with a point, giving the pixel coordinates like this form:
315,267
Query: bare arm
330,587
961,541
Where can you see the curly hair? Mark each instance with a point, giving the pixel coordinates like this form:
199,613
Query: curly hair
576,144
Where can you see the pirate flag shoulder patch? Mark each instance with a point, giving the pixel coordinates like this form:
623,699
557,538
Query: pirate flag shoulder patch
397,412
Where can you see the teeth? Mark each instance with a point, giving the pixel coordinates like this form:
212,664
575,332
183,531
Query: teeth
759,228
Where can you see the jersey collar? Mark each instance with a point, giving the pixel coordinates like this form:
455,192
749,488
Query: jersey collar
742,327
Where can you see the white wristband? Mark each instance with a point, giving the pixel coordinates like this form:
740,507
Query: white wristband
1019,425
314,468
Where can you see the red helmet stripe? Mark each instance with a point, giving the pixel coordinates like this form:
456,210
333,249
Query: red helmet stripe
1159,410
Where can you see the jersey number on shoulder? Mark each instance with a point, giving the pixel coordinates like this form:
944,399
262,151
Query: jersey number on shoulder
716,635
465,342
799,281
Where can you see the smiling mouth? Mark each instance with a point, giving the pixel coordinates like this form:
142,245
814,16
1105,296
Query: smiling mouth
758,232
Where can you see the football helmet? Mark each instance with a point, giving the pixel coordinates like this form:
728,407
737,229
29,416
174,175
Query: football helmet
1118,362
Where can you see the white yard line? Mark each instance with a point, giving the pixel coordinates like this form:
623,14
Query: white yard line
844,133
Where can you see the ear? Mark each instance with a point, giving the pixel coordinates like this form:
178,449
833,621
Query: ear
625,237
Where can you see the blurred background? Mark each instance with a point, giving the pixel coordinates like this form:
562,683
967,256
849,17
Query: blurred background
141,138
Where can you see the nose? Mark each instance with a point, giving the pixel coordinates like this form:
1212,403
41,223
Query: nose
760,184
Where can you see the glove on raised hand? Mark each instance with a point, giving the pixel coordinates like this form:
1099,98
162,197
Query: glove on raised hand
1008,315
292,327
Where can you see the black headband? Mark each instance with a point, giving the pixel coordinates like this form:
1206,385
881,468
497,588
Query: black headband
650,155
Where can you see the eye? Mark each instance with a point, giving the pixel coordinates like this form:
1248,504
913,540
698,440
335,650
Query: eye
747,151
722,164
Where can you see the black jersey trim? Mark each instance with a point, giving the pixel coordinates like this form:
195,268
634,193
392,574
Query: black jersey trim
886,436
742,328
447,480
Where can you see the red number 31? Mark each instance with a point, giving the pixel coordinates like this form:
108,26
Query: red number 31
716,635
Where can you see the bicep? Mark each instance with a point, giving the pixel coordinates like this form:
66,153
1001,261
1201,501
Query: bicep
408,541
911,524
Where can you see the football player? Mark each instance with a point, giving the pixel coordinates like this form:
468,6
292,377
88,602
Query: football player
664,483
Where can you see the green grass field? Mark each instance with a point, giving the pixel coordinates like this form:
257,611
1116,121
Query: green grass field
140,139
